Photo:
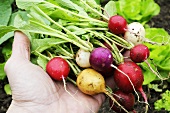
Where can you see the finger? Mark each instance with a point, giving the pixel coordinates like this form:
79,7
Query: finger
21,46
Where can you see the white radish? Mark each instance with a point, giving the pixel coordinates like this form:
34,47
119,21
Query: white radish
82,58
135,33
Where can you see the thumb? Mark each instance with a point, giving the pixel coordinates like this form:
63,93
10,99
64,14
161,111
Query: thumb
21,46
20,52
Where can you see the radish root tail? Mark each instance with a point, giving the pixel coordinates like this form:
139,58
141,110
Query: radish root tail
114,100
65,88
155,72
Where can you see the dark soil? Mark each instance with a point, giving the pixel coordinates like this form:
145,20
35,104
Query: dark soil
160,21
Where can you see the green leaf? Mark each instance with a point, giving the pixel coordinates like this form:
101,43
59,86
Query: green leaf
13,19
5,12
155,87
7,89
7,49
26,4
71,6
41,61
6,37
6,29
164,102
146,9
137,10
40,45
159,54
148,76
76,30
2,72
110,9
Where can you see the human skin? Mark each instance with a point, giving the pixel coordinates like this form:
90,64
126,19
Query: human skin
33,91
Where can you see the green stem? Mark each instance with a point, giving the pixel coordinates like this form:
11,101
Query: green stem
53,32
74,67
120,40
64,52
51,20
95,11
78,15
36,52
98,29
71,80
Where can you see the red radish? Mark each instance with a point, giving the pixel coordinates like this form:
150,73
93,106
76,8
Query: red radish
135,74
117,24
139,53
58,68
127,100
101,59
135,33
129,77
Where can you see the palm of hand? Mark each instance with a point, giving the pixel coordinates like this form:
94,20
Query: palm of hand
33,91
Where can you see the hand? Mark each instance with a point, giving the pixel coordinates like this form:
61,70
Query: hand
33,91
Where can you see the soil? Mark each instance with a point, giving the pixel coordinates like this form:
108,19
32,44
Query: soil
160,21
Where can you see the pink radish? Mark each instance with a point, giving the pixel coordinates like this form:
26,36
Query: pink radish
139,53
127,100
58,68
117,24
101,59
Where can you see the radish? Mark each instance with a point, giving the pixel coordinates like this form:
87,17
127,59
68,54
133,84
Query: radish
82,58
58,68
133,71
135,33
139,53
91,82
129,77
127,100
101,59
117,24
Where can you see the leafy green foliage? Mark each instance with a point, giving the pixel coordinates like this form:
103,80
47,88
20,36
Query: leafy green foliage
137,10
6,11
2,74
110,8
164,102
159,54
7,89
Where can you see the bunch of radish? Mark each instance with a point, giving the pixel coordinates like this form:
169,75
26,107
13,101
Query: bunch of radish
100,63
92,66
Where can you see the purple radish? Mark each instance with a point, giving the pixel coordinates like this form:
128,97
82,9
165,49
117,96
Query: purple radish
101,59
